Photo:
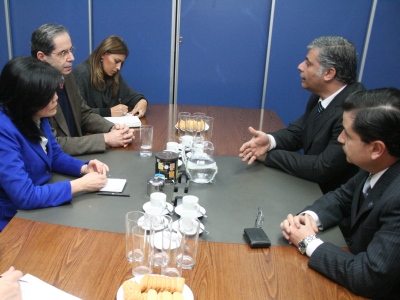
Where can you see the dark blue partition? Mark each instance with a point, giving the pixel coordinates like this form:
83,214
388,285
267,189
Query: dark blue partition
296,24
145,25
382,68
222,56
3,38
27,15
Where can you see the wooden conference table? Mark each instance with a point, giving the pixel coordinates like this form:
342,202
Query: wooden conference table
91,264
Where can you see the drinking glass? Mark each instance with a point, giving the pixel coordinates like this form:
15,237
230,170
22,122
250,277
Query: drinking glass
157,255
181,123
171,244
189,229
146,140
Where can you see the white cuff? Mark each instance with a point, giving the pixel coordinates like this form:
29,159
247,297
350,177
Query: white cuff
312,246
272,142
315,217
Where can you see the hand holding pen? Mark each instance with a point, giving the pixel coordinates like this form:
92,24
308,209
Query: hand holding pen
119,110
9,284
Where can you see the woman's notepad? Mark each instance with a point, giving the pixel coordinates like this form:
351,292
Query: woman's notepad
128,120
115,185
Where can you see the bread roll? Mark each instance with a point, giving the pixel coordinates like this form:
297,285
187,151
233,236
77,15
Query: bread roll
166,295
152,295
177,296
180,283
144,283
191,125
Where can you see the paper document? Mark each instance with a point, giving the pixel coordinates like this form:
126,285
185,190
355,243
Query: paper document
115,185
36,289
128,120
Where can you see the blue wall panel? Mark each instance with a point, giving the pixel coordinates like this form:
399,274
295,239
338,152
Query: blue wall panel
382,68
3,38
27,15
222,56
145,25
296,24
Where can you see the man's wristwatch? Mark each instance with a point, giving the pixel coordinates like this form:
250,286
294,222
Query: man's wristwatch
304,243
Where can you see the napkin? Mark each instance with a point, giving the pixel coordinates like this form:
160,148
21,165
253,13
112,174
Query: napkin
115,185
128,120
36,289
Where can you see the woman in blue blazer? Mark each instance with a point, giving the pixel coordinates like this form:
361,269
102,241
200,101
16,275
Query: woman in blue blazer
28,149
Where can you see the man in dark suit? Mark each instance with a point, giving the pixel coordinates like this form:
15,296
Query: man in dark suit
329,72
370,200
74,119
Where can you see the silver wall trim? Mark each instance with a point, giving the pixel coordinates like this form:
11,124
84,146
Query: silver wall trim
174,62
8,29
267,58
90,26
367,39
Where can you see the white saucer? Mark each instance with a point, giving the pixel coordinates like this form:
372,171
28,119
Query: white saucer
200,213
145,224
165,211
158,240
175,225
187,292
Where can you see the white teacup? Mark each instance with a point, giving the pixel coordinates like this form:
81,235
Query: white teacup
173,146
187,141
189,214
190,203
159,200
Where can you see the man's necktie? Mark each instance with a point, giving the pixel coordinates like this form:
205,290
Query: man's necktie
367,186
320,108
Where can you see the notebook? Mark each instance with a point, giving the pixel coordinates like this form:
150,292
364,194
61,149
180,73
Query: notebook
115,185
128,120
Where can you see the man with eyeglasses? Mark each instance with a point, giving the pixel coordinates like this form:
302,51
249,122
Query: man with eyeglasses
52,44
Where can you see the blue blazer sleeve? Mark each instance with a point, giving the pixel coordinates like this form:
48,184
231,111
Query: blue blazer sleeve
25,169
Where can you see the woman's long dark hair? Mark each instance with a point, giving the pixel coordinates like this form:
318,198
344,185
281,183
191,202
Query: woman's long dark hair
26,86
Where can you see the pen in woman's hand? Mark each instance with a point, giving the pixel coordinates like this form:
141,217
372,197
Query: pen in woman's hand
20,280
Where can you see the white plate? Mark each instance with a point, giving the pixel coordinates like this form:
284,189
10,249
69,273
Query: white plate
175,225
165,211
206,127
200,213
187,292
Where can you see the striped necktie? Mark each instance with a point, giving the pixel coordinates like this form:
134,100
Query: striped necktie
367,186
320,108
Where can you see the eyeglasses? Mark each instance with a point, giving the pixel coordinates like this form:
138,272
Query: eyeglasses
62,54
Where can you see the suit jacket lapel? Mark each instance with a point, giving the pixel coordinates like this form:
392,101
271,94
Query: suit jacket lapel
332,109
74,103
62,123
37,147
376,192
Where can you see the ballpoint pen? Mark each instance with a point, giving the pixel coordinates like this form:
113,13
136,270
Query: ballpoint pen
20,280
113,194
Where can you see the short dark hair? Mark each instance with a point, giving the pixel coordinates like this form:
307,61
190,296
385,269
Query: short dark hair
377,116
43,38
26,86
338,53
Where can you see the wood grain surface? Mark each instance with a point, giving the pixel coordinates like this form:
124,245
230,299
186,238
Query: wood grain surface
91,265
230,125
